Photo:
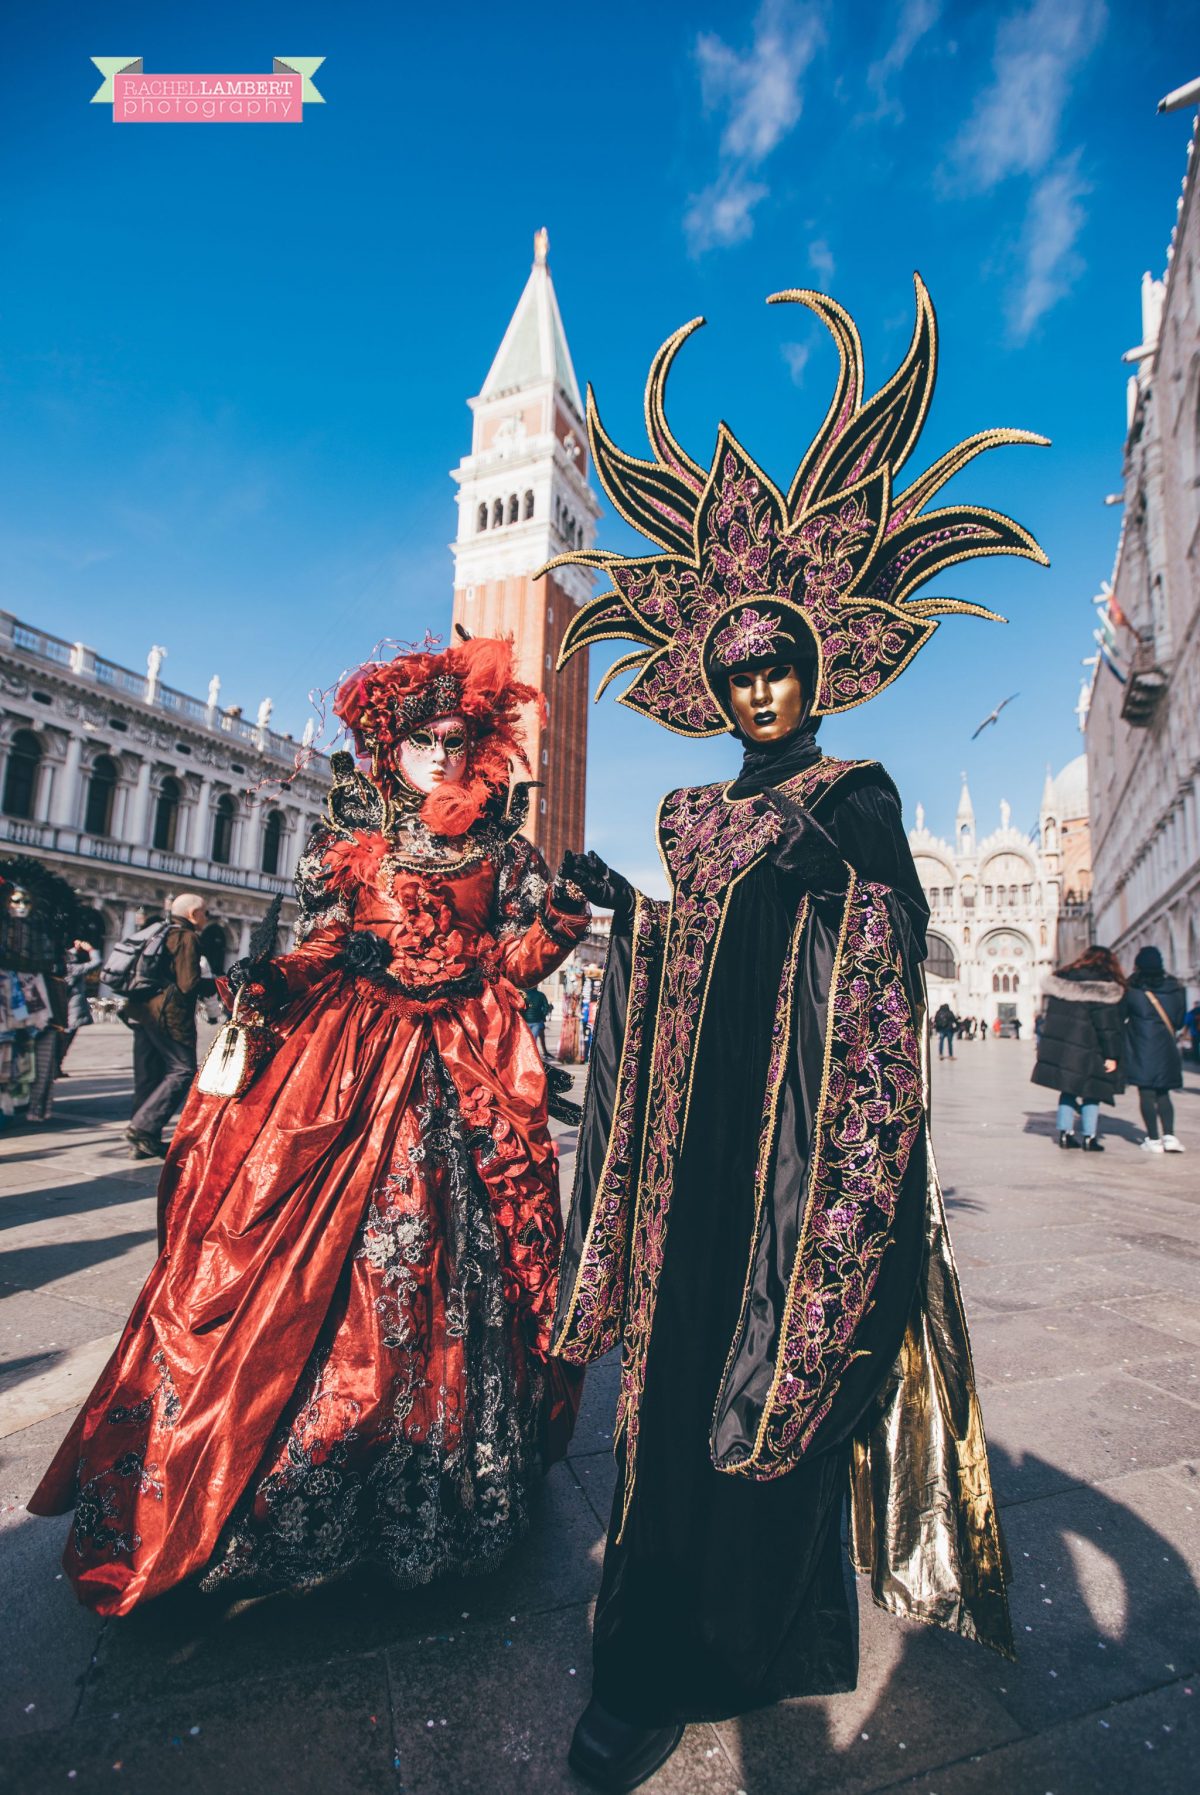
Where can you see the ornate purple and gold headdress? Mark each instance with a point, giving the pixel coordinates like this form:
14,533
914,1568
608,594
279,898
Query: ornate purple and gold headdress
842,552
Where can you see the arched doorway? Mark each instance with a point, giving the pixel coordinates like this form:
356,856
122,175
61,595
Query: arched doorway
224,812
21,774
166,814
101,790
272,841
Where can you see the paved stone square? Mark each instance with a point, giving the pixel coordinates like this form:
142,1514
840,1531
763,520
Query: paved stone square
1081,1280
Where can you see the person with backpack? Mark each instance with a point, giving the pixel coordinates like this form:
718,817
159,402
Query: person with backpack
945,1022
162,982
1082,1039
1155,1007
537,1008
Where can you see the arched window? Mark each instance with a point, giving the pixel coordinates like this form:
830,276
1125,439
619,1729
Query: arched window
20,778
97,815
481,518
529,503
995,981
1012,894
940,962
514,508
272,841
222,835
497,514
1016,981
166,814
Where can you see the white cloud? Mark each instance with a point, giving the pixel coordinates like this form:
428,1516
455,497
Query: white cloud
820,260
796,356
1014,126
760,92
723,213
1015,129
917,18
1050,262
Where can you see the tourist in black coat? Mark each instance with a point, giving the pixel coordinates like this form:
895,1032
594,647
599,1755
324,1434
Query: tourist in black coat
1155,1006
1082,1039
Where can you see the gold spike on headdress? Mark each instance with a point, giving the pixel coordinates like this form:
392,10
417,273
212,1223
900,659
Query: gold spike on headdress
842,551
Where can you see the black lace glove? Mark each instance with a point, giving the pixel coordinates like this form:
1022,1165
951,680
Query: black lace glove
261,982
600,885
805,851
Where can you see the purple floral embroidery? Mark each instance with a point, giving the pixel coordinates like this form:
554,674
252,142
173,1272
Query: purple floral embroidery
870,1115
707,844
749,635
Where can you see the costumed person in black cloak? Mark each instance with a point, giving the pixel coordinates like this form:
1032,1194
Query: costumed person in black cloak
756,1217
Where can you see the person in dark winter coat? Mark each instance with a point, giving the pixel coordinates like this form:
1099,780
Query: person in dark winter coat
945,1022
1155,1006
82,961
164,1032
1082,1039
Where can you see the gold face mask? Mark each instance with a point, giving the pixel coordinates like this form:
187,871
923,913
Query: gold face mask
768,703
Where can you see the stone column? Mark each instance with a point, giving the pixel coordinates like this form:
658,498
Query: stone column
43,789
248,827
139,823
199,844
243,940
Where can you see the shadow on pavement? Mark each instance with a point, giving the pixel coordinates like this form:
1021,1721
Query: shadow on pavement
336,1689
1109,1125
32,1267
1105,1610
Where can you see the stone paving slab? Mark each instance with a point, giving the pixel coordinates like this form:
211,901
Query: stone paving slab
1149,1743
1081,1281
310,1730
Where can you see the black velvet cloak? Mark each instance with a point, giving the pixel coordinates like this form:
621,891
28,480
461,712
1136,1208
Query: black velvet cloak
757,1220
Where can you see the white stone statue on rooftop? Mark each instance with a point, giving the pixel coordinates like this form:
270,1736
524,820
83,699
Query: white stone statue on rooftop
1005,813
264,713
154,661
310,730
214,691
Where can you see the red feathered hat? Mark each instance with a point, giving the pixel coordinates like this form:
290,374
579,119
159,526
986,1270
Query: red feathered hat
384,701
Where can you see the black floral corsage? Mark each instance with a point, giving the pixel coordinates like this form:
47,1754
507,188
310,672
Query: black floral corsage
366,956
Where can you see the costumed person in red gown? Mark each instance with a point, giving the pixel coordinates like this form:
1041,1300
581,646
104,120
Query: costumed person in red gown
341,1355
757,1218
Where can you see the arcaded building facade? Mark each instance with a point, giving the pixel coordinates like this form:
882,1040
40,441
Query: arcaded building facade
134,791
1143,725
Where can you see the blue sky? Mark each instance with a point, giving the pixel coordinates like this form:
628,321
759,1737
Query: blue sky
234,363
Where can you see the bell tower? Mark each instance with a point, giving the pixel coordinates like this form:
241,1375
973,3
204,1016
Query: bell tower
523,498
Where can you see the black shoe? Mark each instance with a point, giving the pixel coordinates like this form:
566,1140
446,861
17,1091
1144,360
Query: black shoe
616,1755
1066,1139
1092,1144
144,1146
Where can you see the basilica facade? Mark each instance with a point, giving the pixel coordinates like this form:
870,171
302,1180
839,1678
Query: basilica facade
1006,909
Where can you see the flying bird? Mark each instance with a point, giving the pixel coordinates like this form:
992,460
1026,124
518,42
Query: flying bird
995,716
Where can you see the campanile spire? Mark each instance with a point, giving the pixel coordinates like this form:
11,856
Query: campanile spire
523,498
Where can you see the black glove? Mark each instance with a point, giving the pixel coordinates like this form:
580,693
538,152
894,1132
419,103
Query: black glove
805,851
600,885
261,980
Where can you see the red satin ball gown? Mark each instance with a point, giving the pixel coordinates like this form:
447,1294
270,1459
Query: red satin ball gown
340,1356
